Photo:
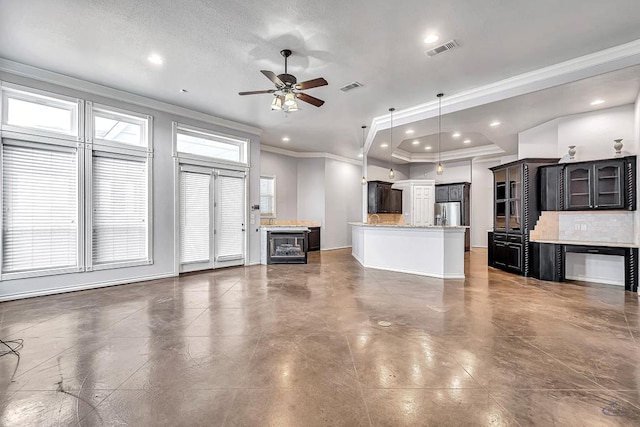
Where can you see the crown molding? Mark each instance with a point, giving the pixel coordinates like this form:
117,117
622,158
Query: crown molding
23,70
308,155
446,156
615,58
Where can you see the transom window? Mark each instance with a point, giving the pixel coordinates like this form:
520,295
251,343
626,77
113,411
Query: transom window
36,113
113,125
198,143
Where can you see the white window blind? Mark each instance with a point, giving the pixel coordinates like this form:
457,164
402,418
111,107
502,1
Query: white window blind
120,220
40,209
267,196
229,232
194,217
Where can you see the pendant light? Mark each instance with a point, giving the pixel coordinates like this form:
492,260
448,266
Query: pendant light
364,179
392,174
439,168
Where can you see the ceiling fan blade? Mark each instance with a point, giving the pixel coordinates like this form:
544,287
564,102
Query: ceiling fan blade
311,84
272,76
310,99
256,92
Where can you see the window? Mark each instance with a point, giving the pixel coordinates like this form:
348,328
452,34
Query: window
268,196
195,205
40,208
110,125
200,144
119,209
36,113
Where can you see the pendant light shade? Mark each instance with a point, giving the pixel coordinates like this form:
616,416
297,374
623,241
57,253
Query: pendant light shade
392,174
293,107
364,179
439,168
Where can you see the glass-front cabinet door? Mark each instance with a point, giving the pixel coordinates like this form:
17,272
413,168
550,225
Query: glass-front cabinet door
578,186
609,186
514,176
500,191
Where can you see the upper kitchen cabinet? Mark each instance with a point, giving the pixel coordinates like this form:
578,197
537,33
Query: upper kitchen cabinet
383,199
594,185
602,184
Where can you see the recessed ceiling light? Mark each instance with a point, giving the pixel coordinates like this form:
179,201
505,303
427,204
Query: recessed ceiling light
495,123
431,38
183,91
456,135
384,145
416,142
597,102
409,131
155,59
285,139
428,147
467,141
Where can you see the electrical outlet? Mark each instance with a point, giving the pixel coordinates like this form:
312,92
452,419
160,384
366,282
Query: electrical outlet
583,227
576,227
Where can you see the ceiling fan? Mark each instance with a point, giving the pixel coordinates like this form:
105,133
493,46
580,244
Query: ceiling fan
288,89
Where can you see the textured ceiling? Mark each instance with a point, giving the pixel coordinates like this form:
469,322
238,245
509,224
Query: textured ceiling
215,49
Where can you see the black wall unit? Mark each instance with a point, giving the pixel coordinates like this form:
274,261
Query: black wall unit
383,199
314,239
458,192
594,185
517,207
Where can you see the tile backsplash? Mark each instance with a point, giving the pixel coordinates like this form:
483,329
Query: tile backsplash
603,226
597,226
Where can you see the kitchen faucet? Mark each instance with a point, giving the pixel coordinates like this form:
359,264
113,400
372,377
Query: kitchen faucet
271,220
377,218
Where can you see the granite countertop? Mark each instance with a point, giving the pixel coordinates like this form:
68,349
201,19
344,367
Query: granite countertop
365,224
587,243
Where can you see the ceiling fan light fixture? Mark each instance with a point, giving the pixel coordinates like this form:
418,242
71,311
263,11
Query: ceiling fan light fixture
293,107
276,104
289,99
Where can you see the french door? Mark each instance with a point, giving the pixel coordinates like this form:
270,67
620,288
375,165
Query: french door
212,215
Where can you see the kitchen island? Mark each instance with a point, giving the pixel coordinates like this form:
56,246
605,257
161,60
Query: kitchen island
433,251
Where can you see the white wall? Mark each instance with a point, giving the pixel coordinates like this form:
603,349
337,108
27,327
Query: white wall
453,172
481,201
378,170
540,141
342,202
285,169
592,133
636,149
163,200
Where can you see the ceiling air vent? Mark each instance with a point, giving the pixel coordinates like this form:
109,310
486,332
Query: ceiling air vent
451,44
351,86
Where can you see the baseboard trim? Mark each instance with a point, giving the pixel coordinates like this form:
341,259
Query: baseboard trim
417,273
54,291
337,247
598,280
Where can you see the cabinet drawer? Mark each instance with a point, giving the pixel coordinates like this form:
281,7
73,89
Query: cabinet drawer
499,237
514,239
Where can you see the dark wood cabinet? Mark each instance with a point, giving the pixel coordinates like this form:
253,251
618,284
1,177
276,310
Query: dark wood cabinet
551,188
458,192
600,185
442,193
383,199
516,209
314,239
396,201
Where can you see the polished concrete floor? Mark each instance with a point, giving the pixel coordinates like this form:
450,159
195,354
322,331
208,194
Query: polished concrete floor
307,345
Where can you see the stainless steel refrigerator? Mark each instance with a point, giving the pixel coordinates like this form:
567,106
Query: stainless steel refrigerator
448,213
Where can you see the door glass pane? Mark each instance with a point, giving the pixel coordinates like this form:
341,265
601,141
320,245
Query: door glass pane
579,187
515,182
229,236
514,215
608,186
501,214
500,182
